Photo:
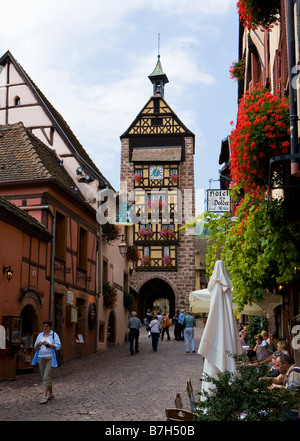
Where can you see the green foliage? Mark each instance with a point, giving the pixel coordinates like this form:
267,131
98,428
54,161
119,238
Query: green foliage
260,247
256,326
245,396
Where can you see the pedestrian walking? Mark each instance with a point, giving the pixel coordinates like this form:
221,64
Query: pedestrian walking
46,345
181,324
165,326
148,319
176,325
134,325
156,328
189,323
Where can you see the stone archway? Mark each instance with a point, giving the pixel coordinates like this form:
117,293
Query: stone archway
152,290
30,330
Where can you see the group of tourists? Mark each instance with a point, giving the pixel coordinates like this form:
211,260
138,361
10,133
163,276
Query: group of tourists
157,326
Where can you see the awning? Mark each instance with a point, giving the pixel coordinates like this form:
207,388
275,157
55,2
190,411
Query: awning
200,303
156,154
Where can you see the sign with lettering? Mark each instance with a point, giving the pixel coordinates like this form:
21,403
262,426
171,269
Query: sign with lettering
218,201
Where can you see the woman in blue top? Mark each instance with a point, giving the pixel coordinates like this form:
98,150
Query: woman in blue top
46,344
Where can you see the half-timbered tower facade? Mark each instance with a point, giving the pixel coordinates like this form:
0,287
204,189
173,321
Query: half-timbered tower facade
157,165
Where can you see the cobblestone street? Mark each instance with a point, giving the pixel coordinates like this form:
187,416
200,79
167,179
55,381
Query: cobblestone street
109,386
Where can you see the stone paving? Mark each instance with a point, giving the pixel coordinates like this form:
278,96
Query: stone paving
109,386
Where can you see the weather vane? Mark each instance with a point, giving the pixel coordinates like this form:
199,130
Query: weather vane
158,44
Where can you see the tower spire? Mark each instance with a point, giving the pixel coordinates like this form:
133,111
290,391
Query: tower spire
158,78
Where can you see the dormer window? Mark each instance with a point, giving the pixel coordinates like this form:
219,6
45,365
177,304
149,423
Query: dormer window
17,101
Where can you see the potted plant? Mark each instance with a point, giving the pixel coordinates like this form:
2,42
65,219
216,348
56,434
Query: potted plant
167,233
109,296
174,178
145,233
237,70
157,204
167,261
110,232
257,13
146,260
133,253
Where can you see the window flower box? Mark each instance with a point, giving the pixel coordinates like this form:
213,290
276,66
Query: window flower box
137,178
157,204
146,260
167,261
174,178
145,233
167,233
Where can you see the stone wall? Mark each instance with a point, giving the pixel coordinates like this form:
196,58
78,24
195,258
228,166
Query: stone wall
183,280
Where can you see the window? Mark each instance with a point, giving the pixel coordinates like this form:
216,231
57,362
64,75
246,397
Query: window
166,251
17,101
60,236
146,251
82,248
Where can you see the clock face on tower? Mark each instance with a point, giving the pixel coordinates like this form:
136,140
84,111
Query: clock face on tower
156,172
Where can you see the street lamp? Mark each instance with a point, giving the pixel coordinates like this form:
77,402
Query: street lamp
122,247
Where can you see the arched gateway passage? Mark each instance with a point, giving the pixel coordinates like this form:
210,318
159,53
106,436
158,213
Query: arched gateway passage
153,290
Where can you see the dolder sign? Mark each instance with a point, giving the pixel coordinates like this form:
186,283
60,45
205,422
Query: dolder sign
218,201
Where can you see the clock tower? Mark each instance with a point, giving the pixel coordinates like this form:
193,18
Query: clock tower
157,165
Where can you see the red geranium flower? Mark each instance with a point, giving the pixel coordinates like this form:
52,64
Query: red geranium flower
262,131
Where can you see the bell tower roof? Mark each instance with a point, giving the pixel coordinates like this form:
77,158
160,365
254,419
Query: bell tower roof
158,78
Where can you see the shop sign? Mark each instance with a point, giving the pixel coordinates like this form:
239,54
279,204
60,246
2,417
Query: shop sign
218,201
70,297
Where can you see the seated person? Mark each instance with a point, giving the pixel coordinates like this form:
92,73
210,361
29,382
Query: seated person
272,340
282,347
287,367
265,337
262,350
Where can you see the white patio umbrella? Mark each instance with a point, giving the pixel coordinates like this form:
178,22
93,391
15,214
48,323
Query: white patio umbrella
220,334
200,303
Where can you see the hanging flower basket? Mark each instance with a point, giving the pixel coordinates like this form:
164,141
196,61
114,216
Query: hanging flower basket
157,204
133,253
110,232
258,13
167,233
109,296
237,70
167,261
146,260
145,233
174,178
137,178
262,131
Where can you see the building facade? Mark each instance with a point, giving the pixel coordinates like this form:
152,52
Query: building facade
272,59
157,170
60,187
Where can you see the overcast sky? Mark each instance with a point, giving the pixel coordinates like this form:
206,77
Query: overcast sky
92,60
